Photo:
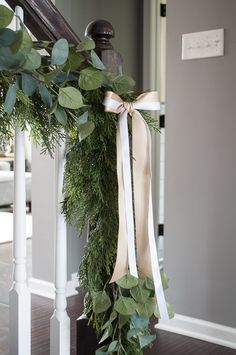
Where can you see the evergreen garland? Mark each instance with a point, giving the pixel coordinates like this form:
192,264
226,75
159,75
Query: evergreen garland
58,96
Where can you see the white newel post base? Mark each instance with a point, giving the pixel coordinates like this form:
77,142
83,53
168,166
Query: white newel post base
20,318
60,334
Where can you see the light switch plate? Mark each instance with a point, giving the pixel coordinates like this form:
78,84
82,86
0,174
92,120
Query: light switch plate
203,44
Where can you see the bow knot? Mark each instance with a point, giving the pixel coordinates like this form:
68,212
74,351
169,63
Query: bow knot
129,107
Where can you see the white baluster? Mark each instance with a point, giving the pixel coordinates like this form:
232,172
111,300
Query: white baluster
19,295
60,322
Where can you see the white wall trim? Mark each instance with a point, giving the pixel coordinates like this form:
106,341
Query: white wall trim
201,329
47,289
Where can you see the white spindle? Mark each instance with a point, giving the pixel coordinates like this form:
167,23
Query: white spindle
19,295
60,322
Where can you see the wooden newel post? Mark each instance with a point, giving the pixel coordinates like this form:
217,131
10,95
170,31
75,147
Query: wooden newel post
101,31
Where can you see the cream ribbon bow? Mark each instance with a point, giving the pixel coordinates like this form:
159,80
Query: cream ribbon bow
145,248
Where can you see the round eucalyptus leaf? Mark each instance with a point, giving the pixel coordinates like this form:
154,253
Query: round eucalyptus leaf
10,61
86,45
70,97
6,16
149,284
96,61
164,279
23,42
75,59
29,84
133,332
125,306
113,347
85,129
145,340
101,302
61,115
139,293
122,83
91,78
7,37
60,52
10,98
147,308
139,322
45,95
33,61
170,310
82,119
127,281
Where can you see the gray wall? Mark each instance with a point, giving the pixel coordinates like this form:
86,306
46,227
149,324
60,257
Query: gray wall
200,242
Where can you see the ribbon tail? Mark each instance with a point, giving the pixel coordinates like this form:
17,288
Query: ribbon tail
156,274
161,301
126,238
121,265
142,177
126,169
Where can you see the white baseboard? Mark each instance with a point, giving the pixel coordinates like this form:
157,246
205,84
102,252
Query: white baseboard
200,329
47,289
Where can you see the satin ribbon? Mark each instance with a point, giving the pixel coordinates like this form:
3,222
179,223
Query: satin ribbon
145,247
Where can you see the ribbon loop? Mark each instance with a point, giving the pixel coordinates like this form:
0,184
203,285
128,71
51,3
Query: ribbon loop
144,245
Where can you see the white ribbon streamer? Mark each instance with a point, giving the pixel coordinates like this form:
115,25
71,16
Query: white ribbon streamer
126,170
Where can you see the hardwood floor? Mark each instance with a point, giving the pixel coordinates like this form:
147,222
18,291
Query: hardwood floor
42,308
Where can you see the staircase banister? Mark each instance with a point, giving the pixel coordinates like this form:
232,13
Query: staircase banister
44,20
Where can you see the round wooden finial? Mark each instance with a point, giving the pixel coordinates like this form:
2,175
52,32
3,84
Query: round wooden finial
100,31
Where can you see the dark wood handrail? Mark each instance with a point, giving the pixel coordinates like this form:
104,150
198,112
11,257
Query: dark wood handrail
44,20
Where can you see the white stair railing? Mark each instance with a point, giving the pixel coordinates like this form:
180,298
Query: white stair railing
60,322
19,295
